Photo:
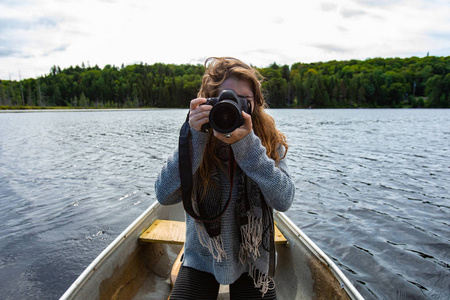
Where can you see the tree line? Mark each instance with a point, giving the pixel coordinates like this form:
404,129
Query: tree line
371,83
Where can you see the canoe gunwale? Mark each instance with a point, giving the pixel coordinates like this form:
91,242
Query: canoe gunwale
317,252
89,271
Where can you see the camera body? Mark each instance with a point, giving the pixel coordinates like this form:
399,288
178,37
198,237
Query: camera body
226,114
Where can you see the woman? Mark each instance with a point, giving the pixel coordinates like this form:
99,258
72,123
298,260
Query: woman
242,174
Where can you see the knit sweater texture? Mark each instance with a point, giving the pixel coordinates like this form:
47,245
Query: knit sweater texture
274,182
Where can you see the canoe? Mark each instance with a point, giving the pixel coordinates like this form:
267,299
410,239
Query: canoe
132,269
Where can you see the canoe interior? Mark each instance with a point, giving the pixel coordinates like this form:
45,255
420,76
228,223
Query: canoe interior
129,269
300,274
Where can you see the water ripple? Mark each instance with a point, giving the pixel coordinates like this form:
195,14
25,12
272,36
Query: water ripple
371,190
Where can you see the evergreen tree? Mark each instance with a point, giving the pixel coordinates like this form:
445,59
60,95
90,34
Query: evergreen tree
376,82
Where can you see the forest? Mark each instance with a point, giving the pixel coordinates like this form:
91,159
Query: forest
372,83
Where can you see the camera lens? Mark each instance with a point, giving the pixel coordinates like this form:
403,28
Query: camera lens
225,117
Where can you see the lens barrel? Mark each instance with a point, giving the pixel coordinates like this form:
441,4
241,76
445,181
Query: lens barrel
226,116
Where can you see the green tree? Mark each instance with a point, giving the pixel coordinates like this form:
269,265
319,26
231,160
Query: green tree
375,82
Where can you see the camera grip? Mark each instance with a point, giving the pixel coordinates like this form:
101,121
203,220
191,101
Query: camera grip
212,102
205,127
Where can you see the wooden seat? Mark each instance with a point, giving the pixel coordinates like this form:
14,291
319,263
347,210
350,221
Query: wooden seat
165,231
174,232
279,237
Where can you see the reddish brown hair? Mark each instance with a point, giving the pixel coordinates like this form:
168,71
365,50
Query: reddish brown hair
218,69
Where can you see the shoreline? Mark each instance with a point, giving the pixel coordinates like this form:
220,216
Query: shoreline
62,109
42,110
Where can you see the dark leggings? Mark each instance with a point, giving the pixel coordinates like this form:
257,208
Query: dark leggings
198,285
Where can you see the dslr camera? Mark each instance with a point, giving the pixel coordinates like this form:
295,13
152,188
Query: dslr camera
226,114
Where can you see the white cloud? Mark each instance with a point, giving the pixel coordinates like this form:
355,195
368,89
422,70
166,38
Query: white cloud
35,35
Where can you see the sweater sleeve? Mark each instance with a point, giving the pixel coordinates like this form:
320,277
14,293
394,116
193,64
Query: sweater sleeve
168,184
273,180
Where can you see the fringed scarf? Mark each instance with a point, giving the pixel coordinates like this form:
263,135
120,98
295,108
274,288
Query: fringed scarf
253,215
255,220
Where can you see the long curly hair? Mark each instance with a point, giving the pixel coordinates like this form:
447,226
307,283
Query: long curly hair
218,69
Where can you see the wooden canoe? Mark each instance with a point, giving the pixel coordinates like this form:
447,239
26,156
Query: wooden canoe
130,268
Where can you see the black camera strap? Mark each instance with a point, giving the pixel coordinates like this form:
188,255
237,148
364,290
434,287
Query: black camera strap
185,166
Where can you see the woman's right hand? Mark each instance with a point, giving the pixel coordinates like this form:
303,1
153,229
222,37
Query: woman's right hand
198,114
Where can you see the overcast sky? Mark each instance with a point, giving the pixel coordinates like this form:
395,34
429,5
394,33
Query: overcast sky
37,34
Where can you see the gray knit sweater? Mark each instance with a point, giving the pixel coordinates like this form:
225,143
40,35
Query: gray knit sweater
274,182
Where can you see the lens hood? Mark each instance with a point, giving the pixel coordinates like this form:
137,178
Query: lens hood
226,116
226,113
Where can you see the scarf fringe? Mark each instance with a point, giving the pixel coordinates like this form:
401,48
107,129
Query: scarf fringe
252,234
213,244
260,280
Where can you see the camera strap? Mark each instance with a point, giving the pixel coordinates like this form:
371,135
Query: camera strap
185,167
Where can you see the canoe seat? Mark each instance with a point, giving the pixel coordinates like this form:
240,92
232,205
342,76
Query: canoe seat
165,231
174,232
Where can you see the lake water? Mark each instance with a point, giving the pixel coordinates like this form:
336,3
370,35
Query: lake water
372,190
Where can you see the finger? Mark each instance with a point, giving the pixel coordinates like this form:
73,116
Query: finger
247,119
199,113
201,118
221,136
196,102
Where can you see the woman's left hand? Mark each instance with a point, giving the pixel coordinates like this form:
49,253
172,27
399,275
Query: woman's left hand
239,133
